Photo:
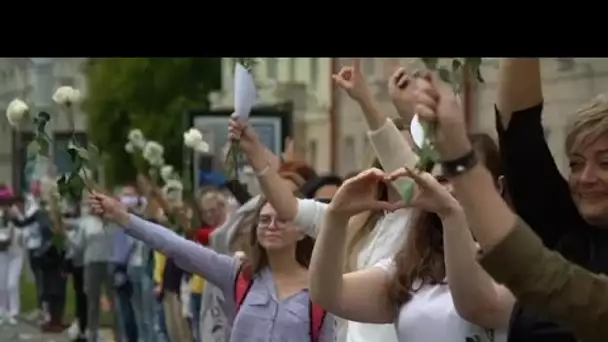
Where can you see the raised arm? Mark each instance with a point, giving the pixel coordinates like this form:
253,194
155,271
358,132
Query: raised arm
477,297
220,270
535,184
358,296
391,147
543,280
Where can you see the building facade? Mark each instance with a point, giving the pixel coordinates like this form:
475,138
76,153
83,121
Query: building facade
34,81
567,84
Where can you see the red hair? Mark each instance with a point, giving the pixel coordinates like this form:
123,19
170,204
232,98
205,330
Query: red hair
297,171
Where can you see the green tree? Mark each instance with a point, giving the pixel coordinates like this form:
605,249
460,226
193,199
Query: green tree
151,94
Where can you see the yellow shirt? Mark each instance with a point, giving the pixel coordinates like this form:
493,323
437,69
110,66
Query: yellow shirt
197,284
159,267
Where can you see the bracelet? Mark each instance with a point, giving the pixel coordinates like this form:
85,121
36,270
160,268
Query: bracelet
460,165
263,171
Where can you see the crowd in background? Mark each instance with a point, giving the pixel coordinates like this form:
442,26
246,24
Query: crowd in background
321,258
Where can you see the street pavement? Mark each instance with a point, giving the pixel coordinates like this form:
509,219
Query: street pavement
25,331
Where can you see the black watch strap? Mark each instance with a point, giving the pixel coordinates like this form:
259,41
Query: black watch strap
458,166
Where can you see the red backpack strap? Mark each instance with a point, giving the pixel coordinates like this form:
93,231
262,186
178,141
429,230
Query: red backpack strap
317,316
242,284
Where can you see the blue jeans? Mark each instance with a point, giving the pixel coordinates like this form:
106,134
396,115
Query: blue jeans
160,327
142,301
195,309
124,312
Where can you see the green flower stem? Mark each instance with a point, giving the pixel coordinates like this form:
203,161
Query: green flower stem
428,156
232,160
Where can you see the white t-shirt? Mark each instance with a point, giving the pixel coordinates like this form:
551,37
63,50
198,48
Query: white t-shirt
383,242
431,316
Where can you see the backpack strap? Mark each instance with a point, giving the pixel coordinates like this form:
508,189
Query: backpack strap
316,318
242,285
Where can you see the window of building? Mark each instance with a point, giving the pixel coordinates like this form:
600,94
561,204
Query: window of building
369,66
292,69
349,160
272,68
314,71
66,81
311,153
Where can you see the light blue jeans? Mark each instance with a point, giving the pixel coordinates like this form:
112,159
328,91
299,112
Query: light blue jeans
142,301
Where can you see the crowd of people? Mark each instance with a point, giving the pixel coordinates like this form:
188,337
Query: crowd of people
494,245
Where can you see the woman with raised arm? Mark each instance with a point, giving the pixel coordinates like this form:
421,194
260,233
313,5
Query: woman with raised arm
577,207
268,297
542,280
433,289
376,234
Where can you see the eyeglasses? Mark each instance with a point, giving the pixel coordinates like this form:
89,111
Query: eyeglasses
266,220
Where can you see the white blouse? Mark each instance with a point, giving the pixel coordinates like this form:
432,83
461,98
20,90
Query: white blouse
430,315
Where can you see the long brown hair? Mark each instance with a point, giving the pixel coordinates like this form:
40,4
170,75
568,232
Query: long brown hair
421,259
256,254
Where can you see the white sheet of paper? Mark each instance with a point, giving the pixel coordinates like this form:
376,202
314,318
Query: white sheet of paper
417,131
245,93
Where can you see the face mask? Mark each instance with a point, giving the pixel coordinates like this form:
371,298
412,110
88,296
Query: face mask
130,201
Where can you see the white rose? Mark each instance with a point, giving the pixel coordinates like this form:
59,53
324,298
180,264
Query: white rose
166,173
129,147
76,96
153,152
66,96
192,137
136,137
16,112
201,147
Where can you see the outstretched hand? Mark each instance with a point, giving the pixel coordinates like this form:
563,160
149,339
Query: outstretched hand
429,193
109,208
359,194
351,79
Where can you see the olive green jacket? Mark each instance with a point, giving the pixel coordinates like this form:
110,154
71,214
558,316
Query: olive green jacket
549,284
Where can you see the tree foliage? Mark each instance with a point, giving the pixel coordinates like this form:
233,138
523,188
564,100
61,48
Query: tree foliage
151,94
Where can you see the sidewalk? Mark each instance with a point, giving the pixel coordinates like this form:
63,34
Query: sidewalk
27,330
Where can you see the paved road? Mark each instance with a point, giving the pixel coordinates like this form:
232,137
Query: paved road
27,332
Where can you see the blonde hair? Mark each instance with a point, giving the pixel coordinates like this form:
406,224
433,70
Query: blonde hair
590,122
214,196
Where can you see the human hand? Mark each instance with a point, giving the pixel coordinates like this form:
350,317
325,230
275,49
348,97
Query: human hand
109,208
350,78
401,91
437,104
358,194
429,193
240,131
